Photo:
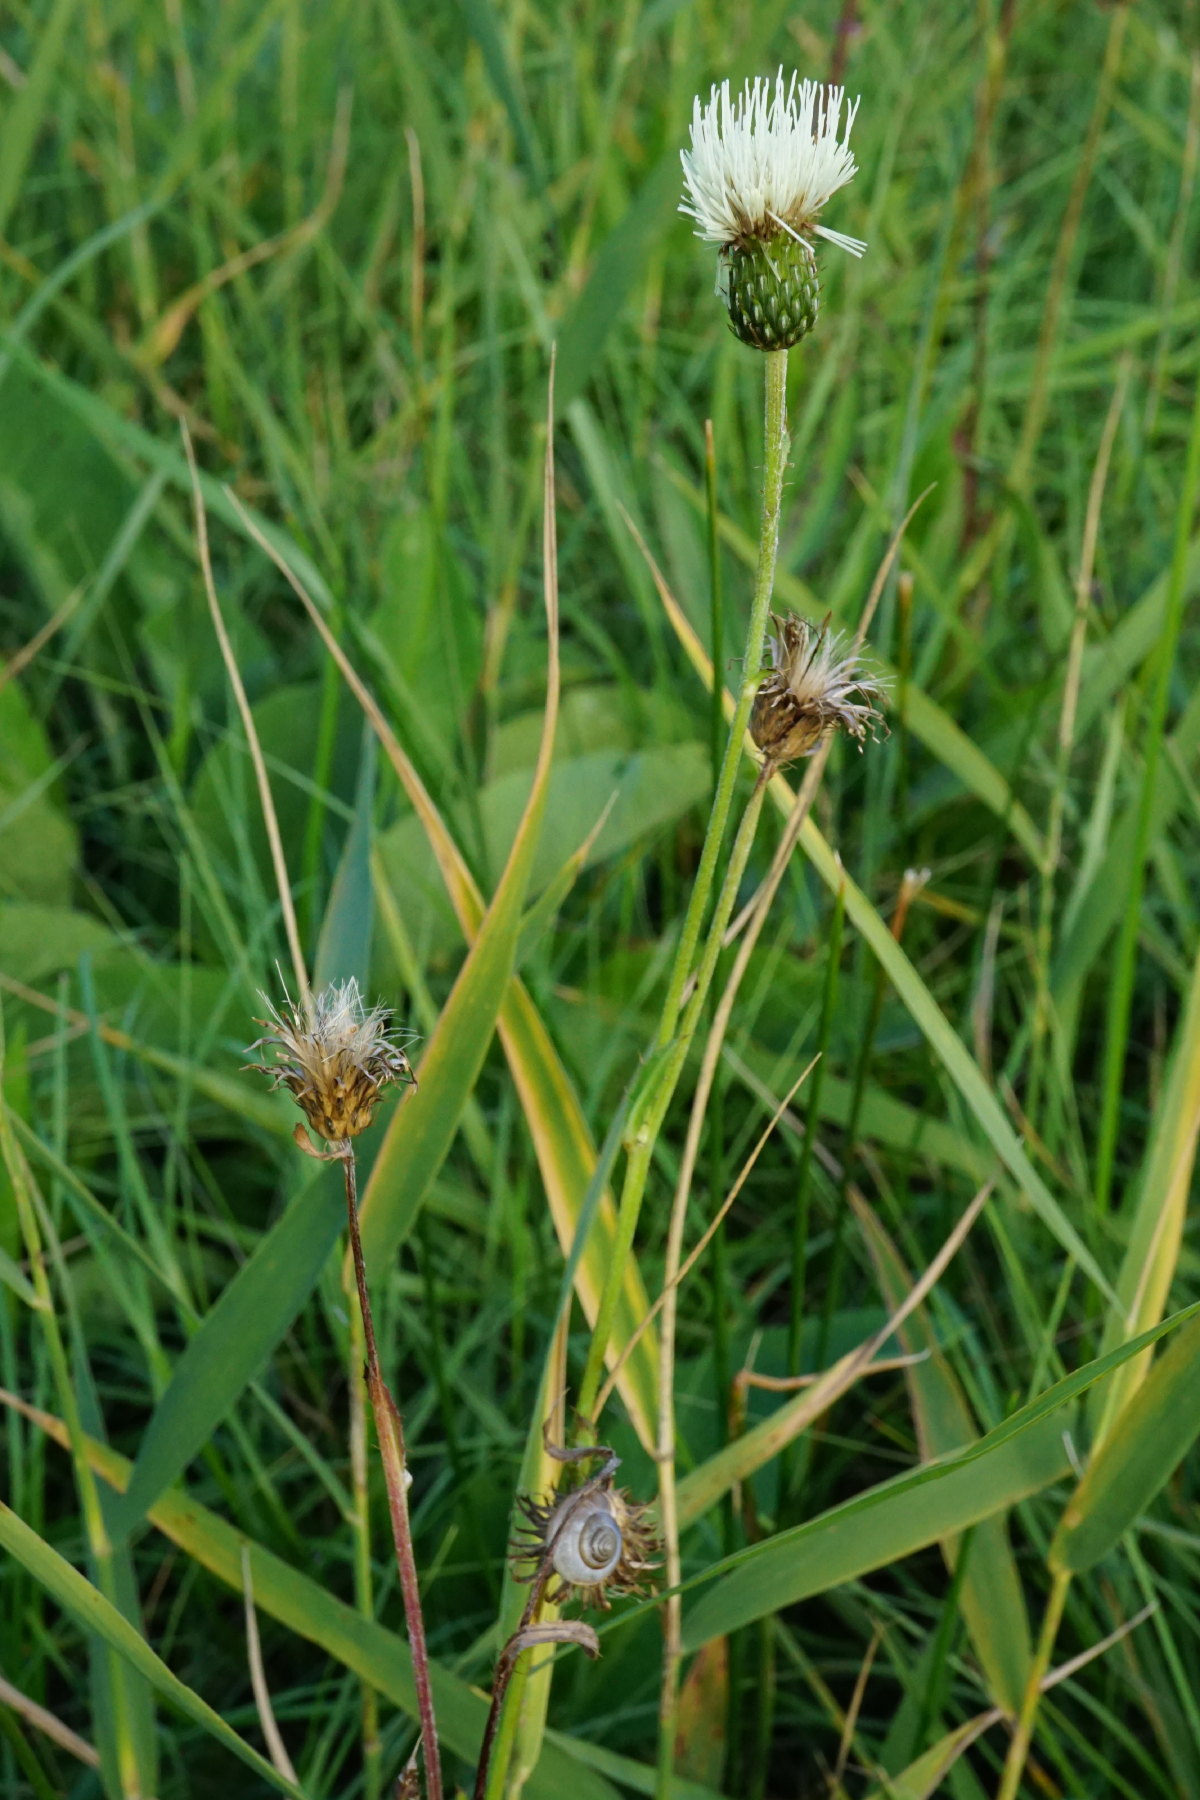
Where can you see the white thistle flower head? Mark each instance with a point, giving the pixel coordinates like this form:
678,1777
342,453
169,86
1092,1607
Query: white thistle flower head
767,162
815,686
761,167
334,1060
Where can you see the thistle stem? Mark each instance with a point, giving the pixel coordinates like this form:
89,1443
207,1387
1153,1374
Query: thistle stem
670,1032
389,1429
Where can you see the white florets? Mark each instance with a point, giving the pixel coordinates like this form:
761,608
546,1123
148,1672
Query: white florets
768,161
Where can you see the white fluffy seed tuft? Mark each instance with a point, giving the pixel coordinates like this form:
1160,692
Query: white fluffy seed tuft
767,161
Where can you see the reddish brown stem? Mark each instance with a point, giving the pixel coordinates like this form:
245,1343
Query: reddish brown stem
389,1429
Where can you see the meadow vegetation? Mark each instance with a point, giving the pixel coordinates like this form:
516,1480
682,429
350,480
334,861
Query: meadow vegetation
332,246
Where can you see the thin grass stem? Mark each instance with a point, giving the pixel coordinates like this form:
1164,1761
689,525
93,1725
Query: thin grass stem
1018,1749
256,756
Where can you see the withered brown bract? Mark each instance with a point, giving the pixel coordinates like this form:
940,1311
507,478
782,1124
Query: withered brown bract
335,1063
810,691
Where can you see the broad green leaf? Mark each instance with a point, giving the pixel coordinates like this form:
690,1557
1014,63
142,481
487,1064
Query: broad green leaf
924,717
991,1599
1016,1459
422,1130
112,428
1156,1231
1144,1446
76,1595
943,1040
237,1336
881,1118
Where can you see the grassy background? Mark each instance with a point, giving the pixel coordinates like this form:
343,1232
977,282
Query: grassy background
213,213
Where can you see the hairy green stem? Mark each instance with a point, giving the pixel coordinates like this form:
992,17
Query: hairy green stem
662,1075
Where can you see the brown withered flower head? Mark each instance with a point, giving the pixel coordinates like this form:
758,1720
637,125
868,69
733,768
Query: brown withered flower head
587,1544
815,686
335,1063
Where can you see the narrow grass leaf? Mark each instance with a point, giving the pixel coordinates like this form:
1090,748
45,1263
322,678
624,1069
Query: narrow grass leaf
422,1129
76,1595
991,1599
943,1040
1018,1458
1156,1230
236,1338
1141,1452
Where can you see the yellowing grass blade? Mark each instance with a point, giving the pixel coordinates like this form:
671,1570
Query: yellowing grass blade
1157,1227
565,1152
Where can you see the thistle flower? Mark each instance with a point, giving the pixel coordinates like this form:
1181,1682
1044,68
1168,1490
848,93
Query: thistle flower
760,169
336,1062
590,1543
809,691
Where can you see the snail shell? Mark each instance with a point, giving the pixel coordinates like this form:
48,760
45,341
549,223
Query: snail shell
587,1545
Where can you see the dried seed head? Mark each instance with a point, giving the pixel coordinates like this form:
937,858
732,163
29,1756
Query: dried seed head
760,169
590,1543
336,1062
810,691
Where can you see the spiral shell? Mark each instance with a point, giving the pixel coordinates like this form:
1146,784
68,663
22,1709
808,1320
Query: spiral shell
588,1544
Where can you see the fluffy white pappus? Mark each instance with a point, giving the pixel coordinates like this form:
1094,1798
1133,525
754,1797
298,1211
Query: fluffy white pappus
768,160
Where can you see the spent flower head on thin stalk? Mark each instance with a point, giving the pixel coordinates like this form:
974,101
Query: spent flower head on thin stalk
586,1544
815,686
760,169
335,1060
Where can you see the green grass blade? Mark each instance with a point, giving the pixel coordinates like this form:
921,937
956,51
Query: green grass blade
76,1595
1156,1229
943,1040
1016,1459
236,1338
1151,1435
991,1599
422,1129
27,113
367,1649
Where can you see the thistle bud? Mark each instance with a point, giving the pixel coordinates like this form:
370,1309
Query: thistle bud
809,691
336,1061
759,171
